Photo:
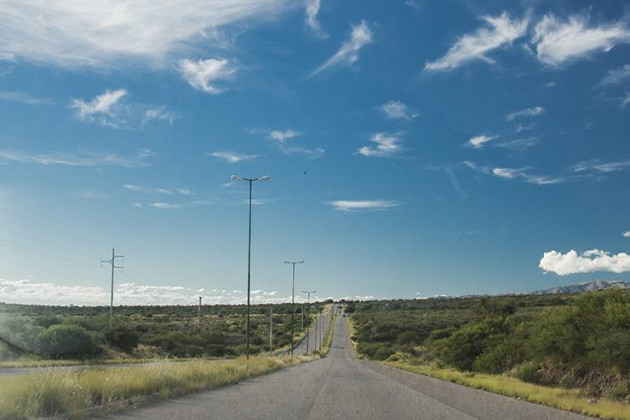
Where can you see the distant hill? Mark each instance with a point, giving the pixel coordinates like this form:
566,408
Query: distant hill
590,286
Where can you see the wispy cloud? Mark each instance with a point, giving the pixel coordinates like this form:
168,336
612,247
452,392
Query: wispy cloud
232,157
523,174
25,98
588,262
616,76
99,108
153,190
203,74
374,205
310,18
110,109
386,145
478,142
111,33
559,42
626,234
86,159
598,165
308,153
163,205
348,54
282,136
527,112
397,110
500,31
519,144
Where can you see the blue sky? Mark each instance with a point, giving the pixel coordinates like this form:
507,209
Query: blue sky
416,148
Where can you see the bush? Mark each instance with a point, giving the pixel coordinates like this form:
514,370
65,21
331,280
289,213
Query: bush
408,337
376,351
122,337
64,340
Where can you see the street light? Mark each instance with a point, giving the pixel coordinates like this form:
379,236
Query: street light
293,298
308,312
249,246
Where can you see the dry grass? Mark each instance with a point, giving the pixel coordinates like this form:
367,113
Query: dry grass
69,393
566,399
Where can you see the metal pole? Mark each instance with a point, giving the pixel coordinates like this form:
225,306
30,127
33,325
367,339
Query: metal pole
199,315
111,295
270,329
292,308
249,252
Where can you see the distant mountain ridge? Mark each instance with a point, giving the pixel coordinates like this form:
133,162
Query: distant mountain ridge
589,286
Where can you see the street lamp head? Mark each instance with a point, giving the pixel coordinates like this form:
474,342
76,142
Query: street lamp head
236,178
264,178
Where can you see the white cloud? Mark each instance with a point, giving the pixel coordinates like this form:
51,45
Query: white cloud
99,108
397,110
386,146
349,52
183,191
527,112
560,42
477,142
232,157
310,18
110,33
616,76
203,74
163,205
282,136
589,262
626,234
519,144
151,190
159,113
521,173
625,101
376,205
26,291
25,98
71,159
309,153
500,31
599,166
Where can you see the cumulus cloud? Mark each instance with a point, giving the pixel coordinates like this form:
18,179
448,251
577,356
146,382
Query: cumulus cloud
386,146
72,159
478,142
588,262
203,74
527,112
375,205
397,110
232,157
500,31
110,33
559,42
626,234
348,54
31,292
310,18
282,136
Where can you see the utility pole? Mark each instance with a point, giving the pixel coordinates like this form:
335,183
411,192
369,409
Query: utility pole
308,314
293,300
271,330
111,298
199,315
302,317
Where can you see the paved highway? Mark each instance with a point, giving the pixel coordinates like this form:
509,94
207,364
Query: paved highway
341,387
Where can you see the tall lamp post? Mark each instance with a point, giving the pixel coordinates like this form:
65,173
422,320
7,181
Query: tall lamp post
293,263
249,246
308,313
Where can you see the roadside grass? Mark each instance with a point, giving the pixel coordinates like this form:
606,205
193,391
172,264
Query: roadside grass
76,393
328,338
35,363
566,399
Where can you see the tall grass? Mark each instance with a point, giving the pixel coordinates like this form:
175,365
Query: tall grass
70,393
566,399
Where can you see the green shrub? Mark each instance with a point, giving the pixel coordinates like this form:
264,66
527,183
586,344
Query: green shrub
122,337
66,340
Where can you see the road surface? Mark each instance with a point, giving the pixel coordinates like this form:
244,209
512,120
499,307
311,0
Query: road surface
340,387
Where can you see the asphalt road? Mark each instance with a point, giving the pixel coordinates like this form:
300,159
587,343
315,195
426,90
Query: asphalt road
341,387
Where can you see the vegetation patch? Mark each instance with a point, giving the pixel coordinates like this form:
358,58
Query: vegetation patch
567,399
73,393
